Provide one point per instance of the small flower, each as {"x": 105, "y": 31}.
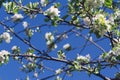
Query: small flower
{"x": 87, "y": 21}
{"x": 3, "y": 54}
{"x": 81, "y": 58}
{"x": 27, "y": 78}
{"x": 35, "y": 74}
{"x": 25, "y": 24}
{"x": 100, "y": 18}
{"x": 55, "y": 46}
{"x": 52, "y": 11}
{"x": 58, "y": 78}
{"x": 58, "y": 71}
{"x": 14, "y": 48}
{"x": 43, "y": 2}
{"x": 95, "y": 3}
{"x": 6, "y": 36}
{"x": 67, "y": 46}
{"x": 17, "y": 17}
{"x": 49, "y": 36}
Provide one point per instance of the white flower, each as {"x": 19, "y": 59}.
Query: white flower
{"x": 25, "y": 24}
{"x": 108, "y": 27}
{"x": 17, "y": 17}
{"x": 14, "y": 48}
{"x": 51, "y": 44}
{"x": 95, "y": 3}
{"x": 52, "y": 11}
{"x": 43, "y": 3}
{"x": 3, "y": 53}
{"x": 49, "y": 36}
{"x": 6, "y": 36}
{"x": 67, "y": 46}
{"x": 35, "y": 74}
{"x": 58, "y": 78}
{"x": 58, "y": 71}
{"x": 55, "y": 46}
{"x": 83, "y": 58}
{"x": 87, "y": 20}
{"x": 27, "y": 78}
{"x": 100, "y": 18}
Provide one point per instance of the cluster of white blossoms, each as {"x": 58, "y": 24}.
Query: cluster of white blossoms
{"x": 6, "y": 36}
{"x": 117, "y": 14}
{"x": 94, "y": 3}
{"x": 50, "y": 40}
{"x": 52, "y": 12}
{"x": 17, "y": 17}
{"x": 43, "y": 2}
{"x": 67, "y": 46}
{"x": 112, "y": 55}
{"x": 3, "y": 56}
{"x": 103, "y": 21}
{"x": 81, "y": 58}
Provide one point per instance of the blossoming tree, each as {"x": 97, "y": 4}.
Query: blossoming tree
{"x": 53, "y": 39}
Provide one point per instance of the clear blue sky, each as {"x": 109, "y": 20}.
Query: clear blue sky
{"x": 11, "y": 70}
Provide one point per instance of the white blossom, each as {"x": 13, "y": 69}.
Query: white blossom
{"x": 67, "y": 46}
{"x": 117, "y": 14}
{"x": 27, "y": 78}
{"x": 3, "y": 53}
{"x": 6, "y": 36}
{"x": 49, "y": 36}
{"x": 52, "y": 11}
{"x": 95, "y": 3}
{"x": 58, "y": 71}
{"x": 55, "y": 46}
{"x": 83, "y": 58}
{"x": 14, "y": 48}
{"x": 58, "y": 78}
{"x": 25, "y": 24}
{"x": 87, "y": 20}
{"x": 17, "y": 17}
{"x": 100, "y": 18}
{"x": 35, "y": 74}
{"x": 43, "y": 3}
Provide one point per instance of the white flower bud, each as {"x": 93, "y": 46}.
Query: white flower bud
{"x": 67, "y": 46}
{"x": 25, "y": 24}
{"x": 58, "y": 71}
{"x": 14, "y": 48}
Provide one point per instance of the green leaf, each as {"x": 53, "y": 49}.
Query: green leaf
{"x": 46, "y": 19}
{"x": 118, "y": 57}
{"x": 108, "y": 3}
{"x": 57, "y": 5}
{"x": 30, "y": 50}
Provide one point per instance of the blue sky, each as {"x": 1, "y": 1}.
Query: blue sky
{"x": 11, "y": 70}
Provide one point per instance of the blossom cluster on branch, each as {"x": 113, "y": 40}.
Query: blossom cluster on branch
{"x": 80, "y": 35}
